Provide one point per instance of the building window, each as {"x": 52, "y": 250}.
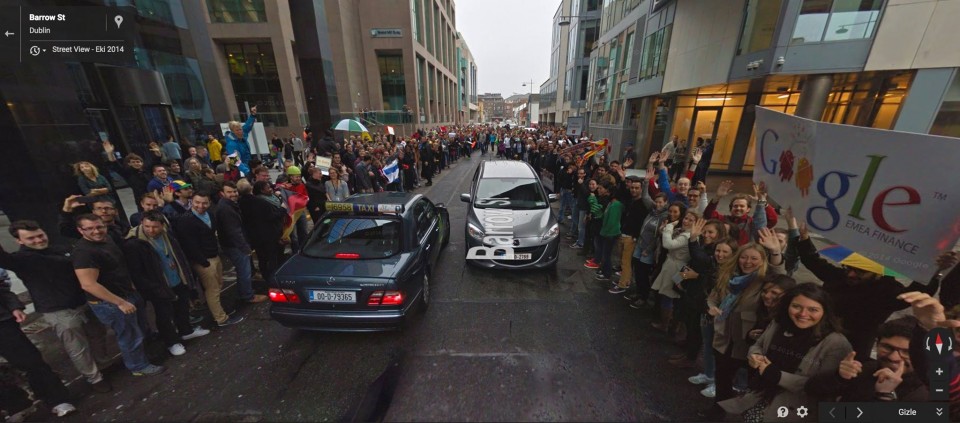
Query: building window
{"x": 654, "y": 57}
{"x": 947, "y": 122}
{"x": 393, "y": 86}
{"x": 255, "y": 80}
{"x": 759, "y": 25}
{"x": 836, "y": 20}
{"x": 415, "y": 5}
{"x": 236, "y": 11}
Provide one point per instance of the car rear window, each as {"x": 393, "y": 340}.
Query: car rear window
{"x": 510, "y": 193}
{"x": 367, "y": 237}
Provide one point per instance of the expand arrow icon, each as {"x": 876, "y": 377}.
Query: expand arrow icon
{"x": 939, "y": 411}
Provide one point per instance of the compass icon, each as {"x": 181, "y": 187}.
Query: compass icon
{"x": 939, "y": 341}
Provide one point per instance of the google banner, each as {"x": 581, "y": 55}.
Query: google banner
{"x": 893, "y": 197}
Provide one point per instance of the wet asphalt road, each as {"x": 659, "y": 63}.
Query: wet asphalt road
{"x": 493, "y": 346}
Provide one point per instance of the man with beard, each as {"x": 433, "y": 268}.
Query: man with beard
{"x": 234, "y": 243}
{"x": 48, "y": 275}
{"x": 891, "y": 377}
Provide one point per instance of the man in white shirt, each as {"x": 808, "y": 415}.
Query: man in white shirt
{"x": 298, "y": 148}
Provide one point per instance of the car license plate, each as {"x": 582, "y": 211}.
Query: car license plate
{"x": 339, "y": 297}
{"x": 516, "y": 256}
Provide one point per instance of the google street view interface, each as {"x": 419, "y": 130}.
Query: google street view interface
{"x": 480, "y": 210}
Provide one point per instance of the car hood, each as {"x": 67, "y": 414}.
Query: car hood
{"x": 301, "y": 267}
{"x": 523, "y": 224}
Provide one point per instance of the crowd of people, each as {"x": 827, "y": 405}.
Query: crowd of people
{"x": 724, "y": 289}
{"x": 721, "y": 286}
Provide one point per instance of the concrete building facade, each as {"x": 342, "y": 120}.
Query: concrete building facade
{"x": 493, "y": 107}
{"x": 696, "y": 69}
{"x": 467, "y": 70}
{"x": 392, "y": 53}
{"x": 552, "y": 91}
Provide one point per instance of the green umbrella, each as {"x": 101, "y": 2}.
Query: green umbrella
{"x": 350, "y": 125}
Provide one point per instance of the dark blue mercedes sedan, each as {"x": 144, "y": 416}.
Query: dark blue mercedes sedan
{"x": 366, "y": 265}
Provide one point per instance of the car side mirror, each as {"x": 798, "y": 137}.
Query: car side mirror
{"x": 465, "y": 198}
{"x": 553, "y": 197}
{"x": 440, "y": 206}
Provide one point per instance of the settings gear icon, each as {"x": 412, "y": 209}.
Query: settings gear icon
{"x": 802, "y": 411}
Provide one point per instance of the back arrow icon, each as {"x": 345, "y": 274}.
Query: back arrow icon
{"x": 8, "y": 33}
{"x": 831, "y": 412}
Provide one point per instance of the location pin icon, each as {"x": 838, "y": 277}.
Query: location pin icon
{"x": 119, "y": 20}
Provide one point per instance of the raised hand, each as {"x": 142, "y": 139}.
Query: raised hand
{"x": 664, "y": 156}
{"x": 108, "y": 148}
{"x": 724, "y": 188}
{"x": 253, "y": 110}
{"x": 850, "y": 367}
{"x": 927, "y": 310}
{"x": 166, "y": 194}
{"x": 768, "y": 239}
{"x": 654, "y": 157}
{"x": 71, "y": 203}
{"x": 697, "y": 228}
{"x": 804, "y": 232}
{"x": 702, "y": 187}
{"x": 760, "y": 191}
{"x": 628, "y": 162}
{"x": 697, "y": 155}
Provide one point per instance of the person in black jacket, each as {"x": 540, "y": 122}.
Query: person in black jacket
{"x": 234, "y": 243}
{"x": 317, "y": 194}
{"x": 17, "y": 349}
{"x": 633, "y": 214}
{"x": 427, "y": 158}
{"x": 196, "y": 232}
{"x": 263, "y": 215}
{"x": 864, "y": 299}
{"x": 47, "y": 272}
{"x": 163, "y": 279}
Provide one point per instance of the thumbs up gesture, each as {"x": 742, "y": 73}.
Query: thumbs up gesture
{"x": 850, "y": 367}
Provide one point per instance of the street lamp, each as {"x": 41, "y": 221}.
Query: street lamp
{"x": 529, "y": 97}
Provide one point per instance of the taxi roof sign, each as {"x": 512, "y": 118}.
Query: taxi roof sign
{"x": 364, "y": 208}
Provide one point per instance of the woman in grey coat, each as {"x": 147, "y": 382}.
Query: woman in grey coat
{"x": 803, "y": 340}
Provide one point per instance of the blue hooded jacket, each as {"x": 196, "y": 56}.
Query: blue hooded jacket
{"x": 242, "y": 147}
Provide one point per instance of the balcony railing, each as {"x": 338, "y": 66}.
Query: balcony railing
{"x": 381, "y": 117}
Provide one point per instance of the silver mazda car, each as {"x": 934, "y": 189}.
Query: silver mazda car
{"x": 510, "y": 224}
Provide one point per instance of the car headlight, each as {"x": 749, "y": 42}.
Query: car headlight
{"x": 552, "y": 233}
{"x": 475, "y": 232}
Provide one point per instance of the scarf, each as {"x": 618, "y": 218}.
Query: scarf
{"x": 272, "y": 199}
{"x": 737, "y": 284}
{"x": 205, "y": 218}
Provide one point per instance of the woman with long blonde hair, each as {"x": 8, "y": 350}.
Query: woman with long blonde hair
{"x": 733, "y": 305}
{"x": 91, "y": 182}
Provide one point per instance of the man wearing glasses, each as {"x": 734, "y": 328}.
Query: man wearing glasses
{"x": 891, "y": 377}
{"x": 105, "y": 210}
{"x": 101, "y": 268}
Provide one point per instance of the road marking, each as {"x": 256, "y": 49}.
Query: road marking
{"x": 442, "y": 353}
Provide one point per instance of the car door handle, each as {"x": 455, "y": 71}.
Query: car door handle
{"x": 428, "y": 246}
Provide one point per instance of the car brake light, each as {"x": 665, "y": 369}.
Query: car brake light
{"x": 392, "y": 298}
{"x": 283, "y": 296}
{"x": 387, "y": 298}
{"x": 351, "y": 256}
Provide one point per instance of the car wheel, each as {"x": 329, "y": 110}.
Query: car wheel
{"x": 446, "y": 234}
{"x": 425, "y": 291}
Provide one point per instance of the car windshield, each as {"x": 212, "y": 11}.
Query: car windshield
{"x": 510, "y": 193}
{"x": 365, "y": 237}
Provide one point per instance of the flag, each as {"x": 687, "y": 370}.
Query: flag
{"x": 392, "y": 171}
{"x": 390, "y": 130}
{"x": 296, "y": 207}
{"x": 596, "y": 147}
{"x": 366, "y": 136}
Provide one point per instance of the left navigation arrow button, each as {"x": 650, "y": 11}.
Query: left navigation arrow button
{"x": 8, "y": 33}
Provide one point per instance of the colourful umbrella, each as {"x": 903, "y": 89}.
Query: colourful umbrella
{"x": 350, "y": 125}
{"x": 847, "y": 257}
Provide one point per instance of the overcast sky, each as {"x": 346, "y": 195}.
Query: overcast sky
{"x": 509, "y": 40}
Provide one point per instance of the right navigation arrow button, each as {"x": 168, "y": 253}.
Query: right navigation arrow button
{"x": 861, "y": 412}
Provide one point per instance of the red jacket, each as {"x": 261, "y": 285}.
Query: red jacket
{"x": 742, "y": 229}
